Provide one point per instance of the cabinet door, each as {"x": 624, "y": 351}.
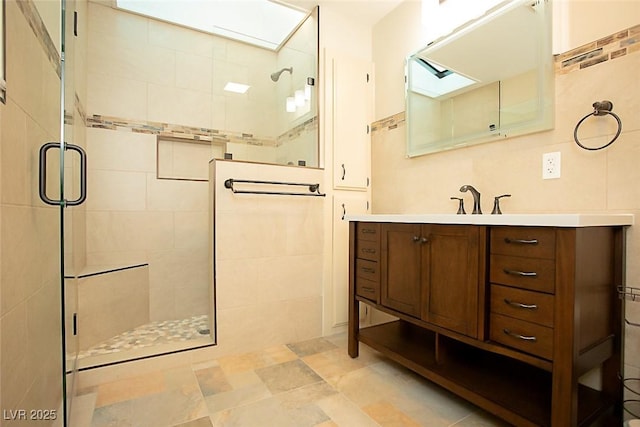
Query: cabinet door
{"x": 351, "y": 116}
{"x": 344, "y": 203}
{"x": 400, "y": 271}
{"x": 450, "y": 262}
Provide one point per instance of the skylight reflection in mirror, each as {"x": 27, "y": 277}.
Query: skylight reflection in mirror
{"x": 262, "y": 23}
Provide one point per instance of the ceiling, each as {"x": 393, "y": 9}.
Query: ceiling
{"x": 367, "y": 12}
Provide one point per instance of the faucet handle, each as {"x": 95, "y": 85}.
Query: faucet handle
{"x": 460, "y": 205}
{"x": 496, "y": 204}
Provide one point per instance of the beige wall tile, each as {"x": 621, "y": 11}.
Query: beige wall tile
{"x": 194, "y": 71}
{"x": 14, "y": 158}
{"x": 174, "y": 105}
{"x": 121, "y": 151}
{"x": 190, "y": 230}
{"x": 114, "y": 96}
{"x": 176, "y": 38}
{"x": 13, "y": 365}
{"x": 172, "y": 195}
{"x": 129, "y": 231}
{"x": 117, "y": 56}
{"x": 108, "y": 21}
{"x": 116, "y": 191}
{"x": 112, "y": 303}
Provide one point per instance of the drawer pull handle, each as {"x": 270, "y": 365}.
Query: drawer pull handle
{"x": 521, "y": 273}
{"x": 368, "y": 251}
{"x": 368, "y": 270}
{"x": 520, "y": 305}
{"x": 368, "y": 231}
{"x": 522, "y": 241}
{"x": 521, "y": 337}
{"x": 368, "y": 289}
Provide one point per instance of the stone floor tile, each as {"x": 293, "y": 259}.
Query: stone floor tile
{"x": 287, "y": 376}
{"x": 130, "y": 388}
{"x": 316, "y": 345}
{"x": 332, "y": 363}
{"x": 387, "y": 415}
{"x": 212, "y": 381}
{"x": 200, "y": 422}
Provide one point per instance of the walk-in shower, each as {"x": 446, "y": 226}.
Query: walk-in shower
{"x": 276, "y": 76}
{"x": 142, "y": 280}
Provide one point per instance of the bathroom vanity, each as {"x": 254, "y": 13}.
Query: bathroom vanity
{"x": 506, "y": 311}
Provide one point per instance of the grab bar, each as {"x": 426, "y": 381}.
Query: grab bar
{"x": 314, "y": 189}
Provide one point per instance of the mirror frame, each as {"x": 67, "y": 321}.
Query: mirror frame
{"x": 543, "y": 112}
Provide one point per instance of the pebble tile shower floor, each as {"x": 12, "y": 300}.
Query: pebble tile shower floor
{"x": 311, "y": 383}
{"x": 151, "y": 334}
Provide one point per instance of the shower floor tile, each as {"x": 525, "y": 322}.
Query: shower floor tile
{"x": 154, "y": 333}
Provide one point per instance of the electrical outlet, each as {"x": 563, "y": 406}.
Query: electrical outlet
{"x": 551, "y": 165}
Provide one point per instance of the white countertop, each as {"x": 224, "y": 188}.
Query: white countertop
{"x": 548, "y": 220}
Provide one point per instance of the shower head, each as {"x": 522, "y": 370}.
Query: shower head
{"x": 275, "y": 76}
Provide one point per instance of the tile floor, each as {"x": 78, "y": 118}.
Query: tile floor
{"x": 311, "y": 383}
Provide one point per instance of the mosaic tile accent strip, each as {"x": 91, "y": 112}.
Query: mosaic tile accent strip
{"x": 308, "y": 126}
{"x": 151, "y": 334}
{"x": 389, "y": 123}
{"x": 170, "y": 130}
{"x": 30, "y": 12}
{"x": 608, "y": 48}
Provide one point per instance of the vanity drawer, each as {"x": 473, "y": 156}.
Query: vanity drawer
{"x": 367, "y": 289}
{"x": 533, "y": 307}
{"x": 521, "y": 335}
{"x": 367, "y": 270}
{"x": 534, "y": 242}
{"x": 528, "y": 273}
{"x": 367, "y": 249}
{"x": 368, "y": 231}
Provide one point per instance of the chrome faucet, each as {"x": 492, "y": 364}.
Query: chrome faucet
{"x": 476, "y": 198}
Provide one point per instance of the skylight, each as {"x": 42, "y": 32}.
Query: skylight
{"x": 433, "y": 80}
{"x": 262, "y": 23}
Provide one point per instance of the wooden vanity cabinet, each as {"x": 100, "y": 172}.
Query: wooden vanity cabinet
{"x": 507, "y": 317}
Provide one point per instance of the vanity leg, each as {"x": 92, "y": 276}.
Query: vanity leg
{"x": 354, "y": 305}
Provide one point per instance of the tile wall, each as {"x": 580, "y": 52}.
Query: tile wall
{"x": 269, "y": 258}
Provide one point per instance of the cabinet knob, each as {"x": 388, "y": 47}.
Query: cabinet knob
{"x": 416, "y": 238}
{"x": 424, "y": 240}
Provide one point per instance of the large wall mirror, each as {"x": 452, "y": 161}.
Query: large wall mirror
{"x": 490, "y": 79}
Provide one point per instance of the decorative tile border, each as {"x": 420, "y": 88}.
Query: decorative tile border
{"x": 389, "y": 123}
{"x": 608, "y": 48}
{"x": 30, "y": 12}
{"x": 193, "y": 133}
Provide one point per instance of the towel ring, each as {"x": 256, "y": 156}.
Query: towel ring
{"x": 599, "y": 109}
